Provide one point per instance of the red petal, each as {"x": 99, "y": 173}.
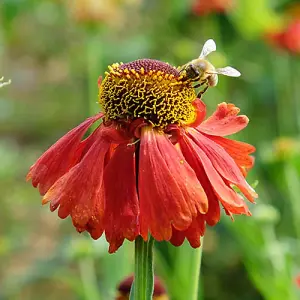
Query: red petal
{"x": 78, "y": 191}
{"x": 99, "y": 81}
{"x": 239, "y": 151}
{"x": 223, "y": 163}
{"x": 95, "y": 224}
{"x": 177, "y": 238}
{"x": 297, "y": 280}
{"x": 193, "y": 233}
{"x": 212, "y": 216}
{"x": 200, "y": 110}
{"x": 60, "y": 157}
{"x": 122, "y": 205}
{"x": 224, "y": 121}
{"x": 115, "y": 134}
{"x": 229, "y": 198}
{"x": 170, "y": 193}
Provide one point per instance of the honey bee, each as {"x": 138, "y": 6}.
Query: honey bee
{"x": 203, "y": 71}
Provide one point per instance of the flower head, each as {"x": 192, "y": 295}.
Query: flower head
{"x": 159, "y": 292}
{"x": 147, "y": 89}
{"x": 287, "y": 38}
{"x": 95, "y": 11}
{"x": 153, "y": 166}
{"x": 297, "y": 281}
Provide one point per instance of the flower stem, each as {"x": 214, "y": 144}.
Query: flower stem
{"x": 143, "y": 277}
{"x": 195, "y": 271}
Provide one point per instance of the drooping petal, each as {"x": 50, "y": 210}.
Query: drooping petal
{"x": 212, "y": 216}
{"x": 95, "y": 224}
{"x": 177, "y": 237}
{"x": 228, "y": 197}
{"x": 239, "y": 151}
{"x": 116, "y": 134}
{"x": 223, "y": 163}
{"x": 193, "y": 233}
{"x": 77, "y": 192}
{"x": 83, "y": 148}
{"x": 122, "y": 205}
{"x": 169, "y": 191}
{"x": 224, "y": 121}
{"x": 60, "y": 157}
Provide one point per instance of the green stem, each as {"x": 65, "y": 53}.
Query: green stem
{"x": 143, "y": 276}
{"x": 195, "y": 271}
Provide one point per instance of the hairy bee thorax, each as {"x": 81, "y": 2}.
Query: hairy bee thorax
{"x": 198, "y": 70}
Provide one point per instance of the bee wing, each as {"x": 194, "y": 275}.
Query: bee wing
{"x": 3, "y": 83}
{"x": 228, "y": 71}
{"x": 208, "y": 47}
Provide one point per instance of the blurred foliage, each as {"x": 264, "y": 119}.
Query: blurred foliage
{"x": 54, "y": 52}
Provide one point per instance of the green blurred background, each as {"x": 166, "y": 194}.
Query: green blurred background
{"x": 54, "y": 51}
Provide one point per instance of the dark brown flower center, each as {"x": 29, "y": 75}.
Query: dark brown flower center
{"x": 148, "y": 89}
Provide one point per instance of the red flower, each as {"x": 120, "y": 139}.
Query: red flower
{"x": 205, "y": 7}
{"x": 159, "y": 292}
{"x": 288, "y": 38}
{"x": 297, "y": 281}
{"x": 152, "y": 166}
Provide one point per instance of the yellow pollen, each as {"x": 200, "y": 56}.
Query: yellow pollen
{"x": 148, "y": 89}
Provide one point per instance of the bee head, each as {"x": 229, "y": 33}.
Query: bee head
{"x": 191, "y": 71}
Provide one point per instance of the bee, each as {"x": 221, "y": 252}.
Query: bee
{"x": 203, "y": 71}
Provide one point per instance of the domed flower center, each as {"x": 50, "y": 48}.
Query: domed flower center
{"x": 148, "y": 89}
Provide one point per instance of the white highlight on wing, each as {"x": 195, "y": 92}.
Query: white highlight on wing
{"x": 4, "y": 83}
{"x": 208, "y": 47}
{"x": 228, "y": 71}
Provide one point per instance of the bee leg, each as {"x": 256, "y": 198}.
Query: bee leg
{"x": 199, "y": 84}
{"x": 202, "y": 92}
